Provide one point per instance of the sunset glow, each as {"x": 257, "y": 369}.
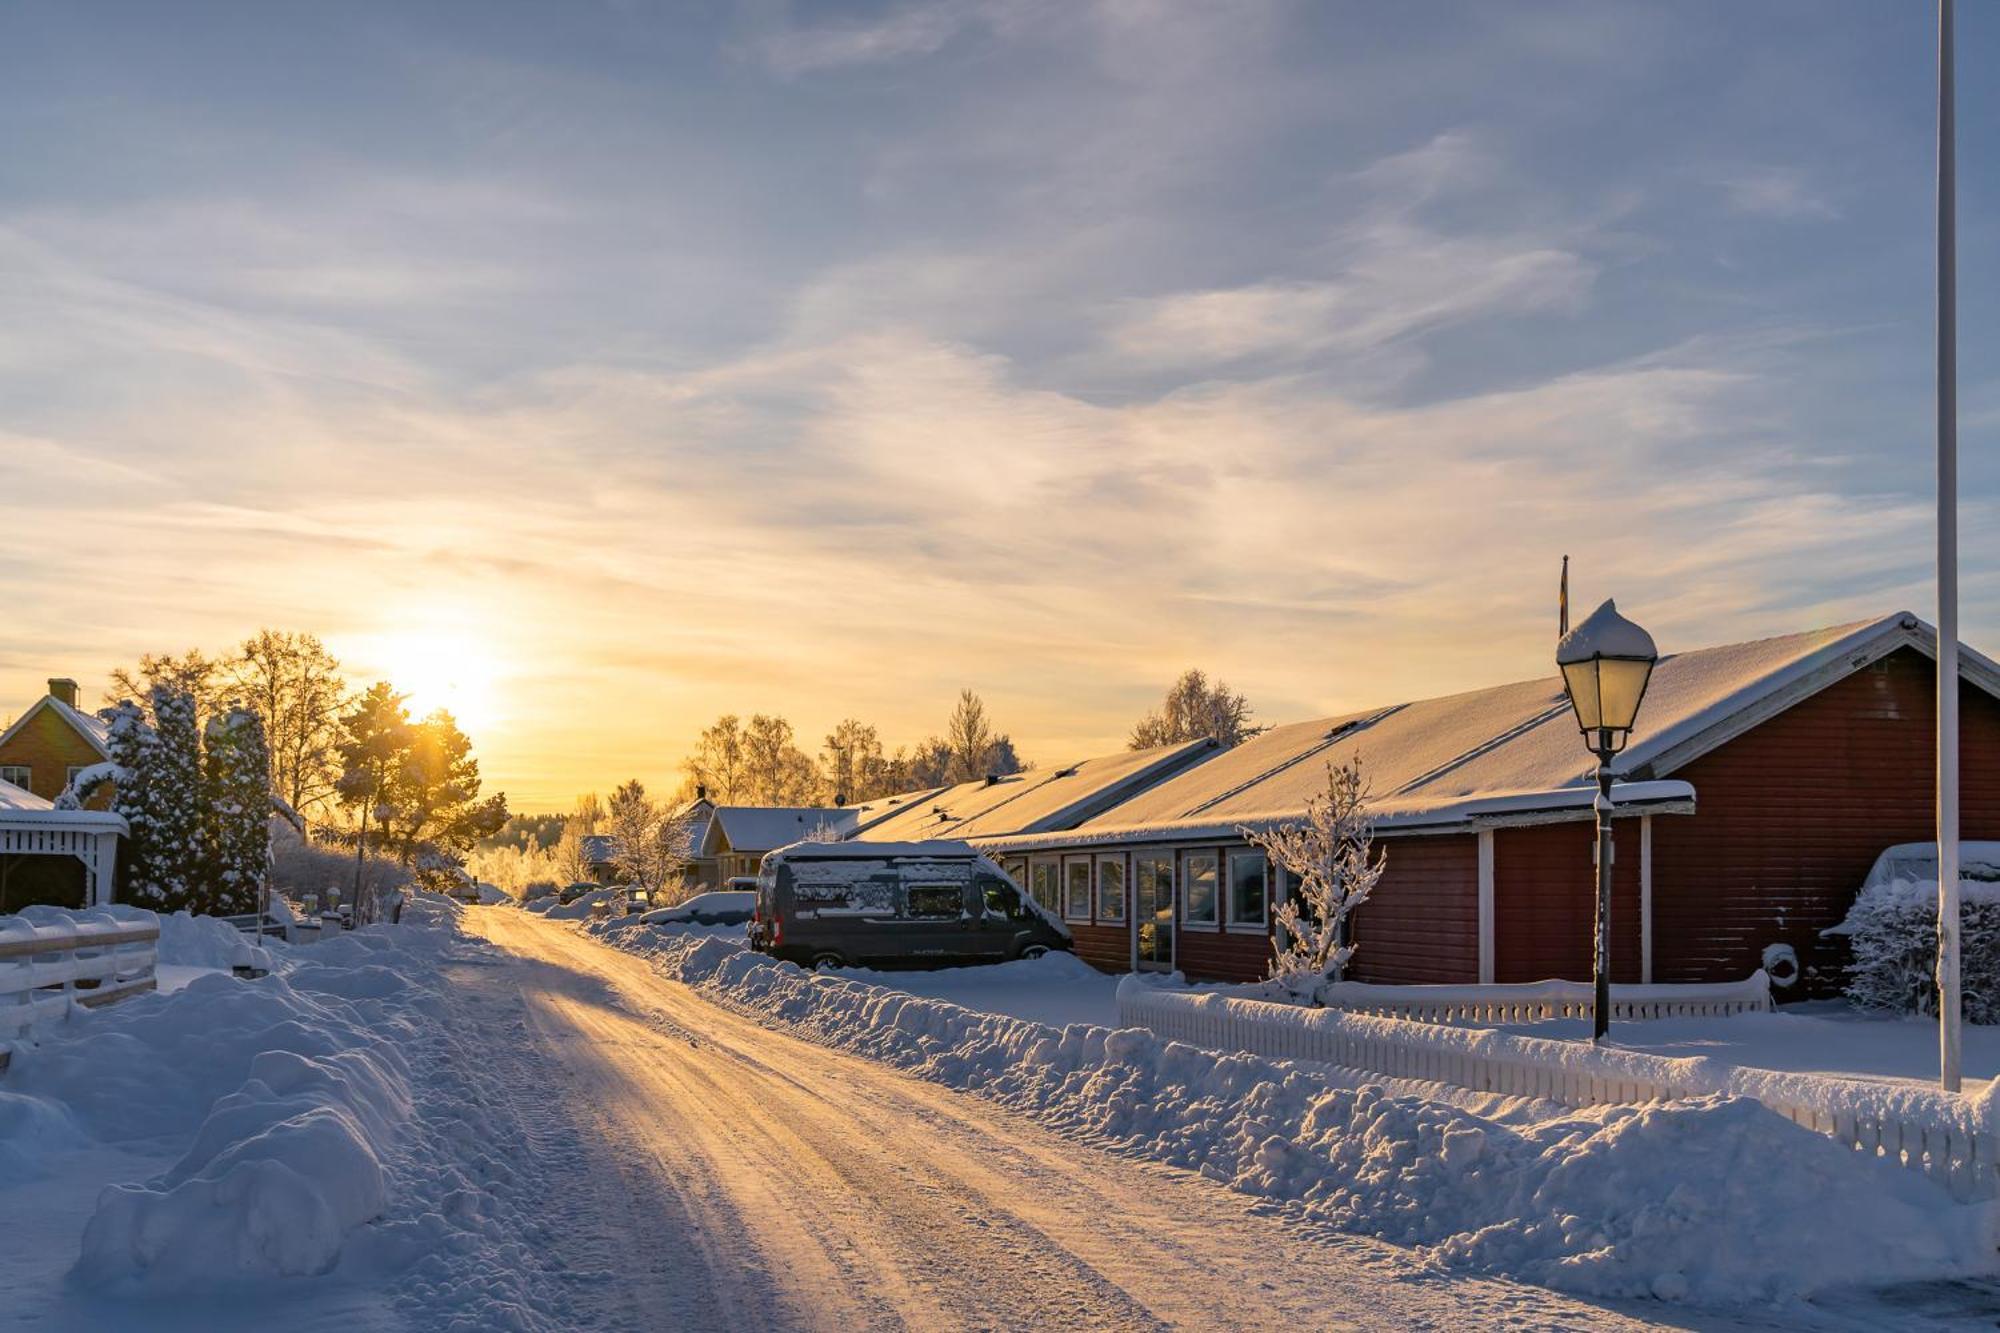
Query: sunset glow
{"x": 1312, "y": 391}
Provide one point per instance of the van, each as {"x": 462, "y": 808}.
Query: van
{"x": 838, "y": 904}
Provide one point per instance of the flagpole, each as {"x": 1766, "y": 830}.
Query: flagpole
{"x": 1947, "y": 565}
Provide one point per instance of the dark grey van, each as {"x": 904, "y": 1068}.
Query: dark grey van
{"x": 832, "y": 904}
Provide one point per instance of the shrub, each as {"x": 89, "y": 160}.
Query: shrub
{"x": 1893, "y": 929}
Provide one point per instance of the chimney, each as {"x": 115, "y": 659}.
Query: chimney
{"x": 63, "y": 690}
{"x": 992, "y": 779}
{"x": 700, "y": 791}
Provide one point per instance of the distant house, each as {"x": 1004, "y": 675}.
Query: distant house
{"x": 50, "y": 743}
{"x": 737, "y": 836}
{"x": 602, "y": 848}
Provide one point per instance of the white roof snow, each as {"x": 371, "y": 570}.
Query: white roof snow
{"x": 92, "y": 729}
{"x": 759, "y": 828}
{"x": 1037, "y": 800}
{"x": 1449, "y": 760}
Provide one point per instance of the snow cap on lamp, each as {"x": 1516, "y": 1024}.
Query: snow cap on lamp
{"x": 1606, "y": 662}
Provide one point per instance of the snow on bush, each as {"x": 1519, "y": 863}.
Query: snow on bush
{"x": 187, "y": 940}
{"x": 1893, "y": 930}
{"x": 1714, "y": 1199}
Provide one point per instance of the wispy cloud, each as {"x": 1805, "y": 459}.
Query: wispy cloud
{"x": 1783, "y": 193}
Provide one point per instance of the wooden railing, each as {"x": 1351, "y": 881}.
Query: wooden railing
{"x": 52, "y": 959}
{"x": 1539, "y": 1001}
{"x": 1941, "y": 1134}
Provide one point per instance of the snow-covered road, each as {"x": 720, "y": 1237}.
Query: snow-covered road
{"x": 739, "y": 1178}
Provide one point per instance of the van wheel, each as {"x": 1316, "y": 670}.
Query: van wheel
{"x": 826, "y": 959}
{"x": 1034, "y": 951}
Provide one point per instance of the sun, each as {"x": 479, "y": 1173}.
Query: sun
{"x": 436, "y": 670}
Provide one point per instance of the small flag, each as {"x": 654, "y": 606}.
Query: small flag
{"x": 1562, "y": 602}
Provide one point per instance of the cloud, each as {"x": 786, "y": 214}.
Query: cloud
{"x": 916, "y": 30}
{"x": 1784, "y": 194}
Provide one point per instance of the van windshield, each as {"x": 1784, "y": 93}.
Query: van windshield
{"x": 1002, "y": 899}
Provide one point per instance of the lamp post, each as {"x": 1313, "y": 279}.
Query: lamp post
{"x": 1606, "y": 662}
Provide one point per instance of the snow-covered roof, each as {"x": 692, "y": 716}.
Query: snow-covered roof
{"x": 92, "y": 729}
{"x": 599, "y": 846}
{"x": 1038, "y": 800}
{"x": 1437, "y": 761}
{"x": 759, "y": 828}
{"x": 941, "y": 848}
{"x": 21, "y": 808}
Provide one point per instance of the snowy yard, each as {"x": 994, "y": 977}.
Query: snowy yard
{"x": 1817, "y": 1037}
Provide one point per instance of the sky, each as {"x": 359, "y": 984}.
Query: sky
{"x": 600, "y": 369}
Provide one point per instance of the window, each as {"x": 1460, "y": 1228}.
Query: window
{"x": 1110, "y": 888}
{"x": 1076, "y": 890}
{"x": 18, "y": 774}
{"x": 936, "y": 902}
{"x": 1002, "y": 898}
{"x": 1200, "y": 878}
{"x": 1042, "y": 883}
{"x": 69, "y": 776}
{"x": 1016, "y": 868}
{"x": 1153, "y": 910}
{"x": 1246, "y": 889}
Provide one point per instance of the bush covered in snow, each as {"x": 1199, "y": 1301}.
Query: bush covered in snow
{"x": 299, "y": 867}
{"x": 1893, "y": 930}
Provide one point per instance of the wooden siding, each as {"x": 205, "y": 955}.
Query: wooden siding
{"x": 1792, "y": 813}
{"x": 1545, "y": 900}
{"x": 1107, "y": 948}
{"x": 1422, "y": 922}
{"x": 49, "y": 747}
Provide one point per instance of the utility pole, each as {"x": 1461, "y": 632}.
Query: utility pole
{"x": 1947, "y": 565}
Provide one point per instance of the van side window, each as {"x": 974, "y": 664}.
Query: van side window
{"x": 936, "y": 902}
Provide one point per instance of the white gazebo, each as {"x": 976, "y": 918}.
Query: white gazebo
{"x": 32, "y": 826}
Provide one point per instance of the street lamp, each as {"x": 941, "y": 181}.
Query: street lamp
{"x": 1606, "y": 662}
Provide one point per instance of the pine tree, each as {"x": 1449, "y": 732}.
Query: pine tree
{"x": 131, "y": 745}
{"x": 160, "y": 795}
{"x": 236, "y": 808}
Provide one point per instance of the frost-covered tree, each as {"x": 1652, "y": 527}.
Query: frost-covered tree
{"x": 775, "y": 770}
{"x": 375, "y": 741}
{"x": 1893, "y": 930}
{"x": 1196, "y": 710}
{"x": 236, "y": 813}
{"x": 570, "y": 858}
{"x": 649, "y": 840}
{"x": 1332, "y": 860}
{"x": 852, "y": 766}
{"x": 716, "y": 765}
{"x": 160, "y": 796}
{"x": 192, "y": 673}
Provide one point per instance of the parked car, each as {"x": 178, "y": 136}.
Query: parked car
{"x": 571, "y": 892}
{"x": 832, "y": 904}
{"x": 723, "y": 907}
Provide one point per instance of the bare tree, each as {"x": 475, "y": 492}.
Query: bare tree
{"x": 571, "y": 855}
{"x": 716, "y": 765}
{"x": 1196, "y": 710}
{"x": 852, "y": 766}
{"x": 775, "y": 770}
{"x": 976, "y": 749}
{"x": 1331, "y": 857}
{"x": 199, "y": 676}
{"x": 294, "y": 685}
{"x": 649, "y": 841}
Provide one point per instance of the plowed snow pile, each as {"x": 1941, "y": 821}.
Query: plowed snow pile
{"x": 1717, "y": 1200}
{"x": 323, "y": 1120}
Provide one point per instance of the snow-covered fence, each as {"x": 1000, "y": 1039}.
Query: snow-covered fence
{"x": 51, "y": 959}
{"x": 1949, "y": 1137}
{"x": 1538, "y": 1001}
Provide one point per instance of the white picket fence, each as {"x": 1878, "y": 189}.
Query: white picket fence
{"x": 1539, "y": 1001}
{"x": 52, "y": 959}
{"x": 1922, "y": 1128}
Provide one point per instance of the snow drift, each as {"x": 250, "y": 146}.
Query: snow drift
{"x": 1716, "y": 1199}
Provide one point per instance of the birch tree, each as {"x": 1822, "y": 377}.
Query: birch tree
{"x": 1331, "y": 858}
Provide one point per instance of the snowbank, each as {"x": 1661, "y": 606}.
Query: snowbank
{"x": 327, "y": 1119}
{"x": 200, "y": 941}
{"x": 1715, "y": 1199}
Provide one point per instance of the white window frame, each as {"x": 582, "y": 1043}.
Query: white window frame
{"x": 1054, "y": 863}
{"x": 1124, "y": 891}
{"x": 1070, "y": 863}
{"x": 26, "y": 774}
{"x": 1263, "y": 921}
{"x": 1212, "y": 922}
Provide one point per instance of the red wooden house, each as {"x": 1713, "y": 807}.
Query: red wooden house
{"x": 1760, "y": 785}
